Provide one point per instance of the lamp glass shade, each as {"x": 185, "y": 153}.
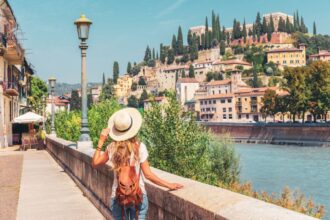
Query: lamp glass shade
{"x": 83, "y": 25}
{"x": 52, "y": 82}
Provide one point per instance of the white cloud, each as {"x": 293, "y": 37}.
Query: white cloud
{"x": 171, "y": 8}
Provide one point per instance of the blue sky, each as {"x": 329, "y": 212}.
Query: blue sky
{"x": 122, "y": 29}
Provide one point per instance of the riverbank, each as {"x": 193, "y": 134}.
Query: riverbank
{"x": 270, "y": 168}
{"x": 280, "y": 134}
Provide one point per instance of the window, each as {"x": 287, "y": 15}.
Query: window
{"x": 230, "y": 116}
{"x": 247, "y": 116}
{"x": 214, "y": 101}
{"x": 201, "y": 102}
{"x": 284, "y": 61}
{"x": 223, "y": 100}
{"x": 213, "y": 92}
{"x": 230, "y": 109}
{"x": 297, "y": 61}
{"x": 229, "y": 100}
{"x": 239, "y": 99}
{"x": 210, "y": 102}
{"x": 239, "y": 116}
{"x": 245, "y": 99}
{"x": 224, "y": 116}
{"x": 291, "y": 62}
{"x": 219, "y": 91}
{"x": 224, "y": 109}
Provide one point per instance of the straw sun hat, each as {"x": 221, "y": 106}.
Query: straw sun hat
{"x": 124, "y": 124}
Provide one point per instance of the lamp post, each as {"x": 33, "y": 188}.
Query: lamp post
{"x": 83, "y": 25}
{"x": 44, "y": 103}
{"x": 52, "y": 82}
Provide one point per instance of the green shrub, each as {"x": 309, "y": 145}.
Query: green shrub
{"x": 68, "y": 124}
{"x": 177, "y": 144}
{"x": 98, "y": 117}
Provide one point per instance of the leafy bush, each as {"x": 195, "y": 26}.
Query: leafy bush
{"x": 68, "y": 124}
{"x": 98, "y": 117}
{"x": 177, "y": 144}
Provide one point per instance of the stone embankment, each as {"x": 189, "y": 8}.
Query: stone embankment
{"x": 195, "y": 201}
{"x": 290, "y": 134}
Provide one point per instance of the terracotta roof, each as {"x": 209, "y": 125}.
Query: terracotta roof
{"x": 229, "y": 62}
{"x": 187, "y": 80}
{"x": 285, "y": 50}
{"x": 217, "y": 96}
{"x": 203, "y": 62}
{"x": 157, "y": 99}
{"x": 320, "y": 54}
{"x": 254, "y": 91}
{"x": 175, "y": 68}
{"x": 219, "y": 82}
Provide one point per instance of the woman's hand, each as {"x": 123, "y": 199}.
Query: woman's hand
{"x": 175, "y": 186}
{"x": 104, "y": 134}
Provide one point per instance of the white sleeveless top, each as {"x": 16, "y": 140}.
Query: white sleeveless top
{"x": 143, "y": 155}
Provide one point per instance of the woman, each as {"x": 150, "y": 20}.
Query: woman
{"x": 128, "y": 156}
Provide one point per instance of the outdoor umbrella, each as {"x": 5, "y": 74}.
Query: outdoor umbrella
{"x": 27, "y": 118}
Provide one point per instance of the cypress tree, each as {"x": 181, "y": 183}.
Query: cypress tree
{"x": 244, "y": 33}
{"x": 209, "y": 40}
{"x": 115, "y": 71}
{"x": 223, "y": 35}
{"x": 153, "y": 54}
{"x": 258, "y": 26}
{"x": 174, "y": 44}
{"x": 180, "y": 41}
{"x": 189, "y": 38}
{"x": 222, "y": 48}
{"x": 264, "y": 29}
{"x": 157, "y": 56}
{"x": 206, "y": 25}
{"x": 147, "y": 55}
{"x": 103, "y": 80}
{"x": 288, "y": 25}
{"x": 162, "y": 54}
{"x": 203, "y": 42}
{"x": 191, "y": 71}
{"x": 281, "y": 25}
{"x": 171, "y": 56}
{"x": 218, "y": 28}
{"x": 271, "y": 24}
{"x": 129, "y": 67}
{"x": 214, "y": 29}
{"x": 314, "y": 28}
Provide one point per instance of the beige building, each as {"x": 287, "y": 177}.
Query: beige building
{"x": 230, "y": 65}
{"x": 291, "y": 57}
{"x": 15, "y": 74}
{"x": 123, "y": 86}
{"x": 96, "y": 92}
{"x": 276, "y": 18}
{"x": 201, "y": 69}
{"x": 161, "y": 100}
{"x": 323, "y": 55}
{"x": 167, "y": 77}
{"x": 199, "y": 30}
{"x": 185, "y": 89}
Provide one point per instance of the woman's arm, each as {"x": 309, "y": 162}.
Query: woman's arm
{"x": 155, "y": 179}
{"x": 98, "y": 158}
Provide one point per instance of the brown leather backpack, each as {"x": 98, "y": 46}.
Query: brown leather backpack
{"x": 130, "y": 194}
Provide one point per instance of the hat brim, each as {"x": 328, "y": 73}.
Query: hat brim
{"x": 130, "y": 133}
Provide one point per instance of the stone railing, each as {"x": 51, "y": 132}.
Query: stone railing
{"x": 195, "y": 201}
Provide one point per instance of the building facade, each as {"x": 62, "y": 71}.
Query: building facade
{"x": 323, "y": 55}
{"x": 123, "y": 86}
{"x": 14, "y": 74}
{"x": 185, "y": 89}
{"x": 291, "y": 57}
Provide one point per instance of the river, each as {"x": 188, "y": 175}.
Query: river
{"x": 272, "y": 167}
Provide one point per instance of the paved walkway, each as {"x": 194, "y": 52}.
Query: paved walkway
{"x": 47, "y": 192}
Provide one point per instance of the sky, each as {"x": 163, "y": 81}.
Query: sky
{"x": 122, "y": 29}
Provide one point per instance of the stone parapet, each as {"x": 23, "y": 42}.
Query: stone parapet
{"x": 195, "y": 201}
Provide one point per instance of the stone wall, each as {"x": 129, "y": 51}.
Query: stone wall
{"x": 298, "y": 134}
{"x": 195, "y": 201}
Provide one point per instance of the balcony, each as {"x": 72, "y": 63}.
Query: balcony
{"x": 14, "y": 52}
{"x": 10, "y": 88}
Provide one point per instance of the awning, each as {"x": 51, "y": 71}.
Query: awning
{"x": 28, "y": 117}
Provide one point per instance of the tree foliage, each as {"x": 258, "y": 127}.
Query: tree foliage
{"x": 115, "y": 72}
{"x": 38, "y": 90}
{"x": 75, "y": 101}
{"x": 176, "y": 140}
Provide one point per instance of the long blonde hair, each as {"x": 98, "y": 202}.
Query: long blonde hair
{"x": 121, "y": 152}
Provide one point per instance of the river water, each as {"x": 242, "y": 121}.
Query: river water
{"x": 272, "y": 167}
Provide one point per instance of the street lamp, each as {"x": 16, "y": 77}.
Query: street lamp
{"x": 44, "y": 103}
{"x": 83, "y": 25}
{"x": 52, "y": 82}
